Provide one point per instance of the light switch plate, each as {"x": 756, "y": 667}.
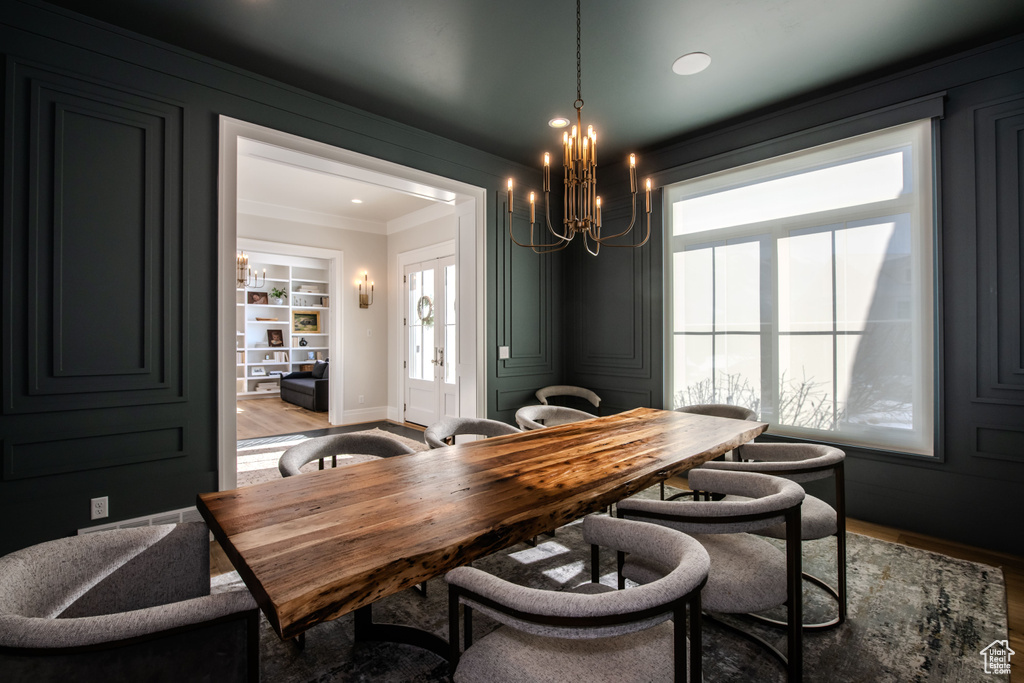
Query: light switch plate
{"x": 503, "y": 353}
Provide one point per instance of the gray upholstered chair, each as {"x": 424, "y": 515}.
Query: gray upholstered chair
{"x": 350, "y": 448}
{"x": 123, "y": 605}
{"x": 443, "y": 432}
{"x": 748, "y": 574}
{"x": 593, "y": 632}
{"x": 719, "y": 410}
{"x": 804, "y": 462}
{"x": 577, "y": 395}
{"x": 538, "y": 417}
{"x": 714, "y": 410}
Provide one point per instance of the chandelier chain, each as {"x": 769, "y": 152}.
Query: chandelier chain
{"x": 579, "y": 70}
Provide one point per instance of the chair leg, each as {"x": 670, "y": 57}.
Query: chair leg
{"x": 794, "y": 601}
{"x": 453, "y": 631}
{"x": 696, "y": 637}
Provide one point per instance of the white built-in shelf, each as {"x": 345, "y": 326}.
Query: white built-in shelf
{"x": 290, "y": 279}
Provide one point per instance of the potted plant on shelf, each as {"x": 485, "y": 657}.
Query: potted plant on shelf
{"x": 277, "y": 296}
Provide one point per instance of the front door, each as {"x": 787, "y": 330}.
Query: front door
{"x": 430, "y": 349}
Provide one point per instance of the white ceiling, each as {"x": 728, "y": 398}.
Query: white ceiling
{"x": 282, "y": 184}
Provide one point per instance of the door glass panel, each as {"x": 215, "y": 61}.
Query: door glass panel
{"x": 449, "y": 325}
{"x": 421, "y": 324}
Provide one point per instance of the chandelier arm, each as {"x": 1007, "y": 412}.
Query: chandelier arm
{"x": 547, "y": 219}
{"x": 586, "y": 244}
{"x": 632, "y": 222}
{"x": 551, "y": 250}
{"x": 647, "y": 236}
{"x": 531, "y": 244}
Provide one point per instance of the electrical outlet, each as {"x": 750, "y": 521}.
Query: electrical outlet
{"x": 98, "y": 507}
{"x": 360, "y": 398}
{"x": 503, "y": 353}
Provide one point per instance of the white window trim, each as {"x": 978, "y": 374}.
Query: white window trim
{"x": 924, "y": 246}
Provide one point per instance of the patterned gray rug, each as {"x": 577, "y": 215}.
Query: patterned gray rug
{"x": 914, "y": 616}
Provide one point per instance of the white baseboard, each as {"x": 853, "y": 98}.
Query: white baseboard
{"x": 361, "y": 415}
{"x": 395, "y": 415}
{"x": 171, "y": 517}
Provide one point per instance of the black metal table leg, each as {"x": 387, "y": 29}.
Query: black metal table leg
{"x": 367, "y": 629}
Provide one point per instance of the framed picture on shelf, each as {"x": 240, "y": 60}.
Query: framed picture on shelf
{"x": 306, "y": 321}
{"x": 259, "y": 372}
{"x": 275, "y": 337}
{"x": 258, "y": 298}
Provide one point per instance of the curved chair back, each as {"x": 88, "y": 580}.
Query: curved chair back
{"x": 765, "y": 502}
{"x": 545, "y": 393}
{"x": 538, "y": 417}
{"x": 719, "y": 410}
{"x": 112, "y": 605}
{"x": 443, "y": 432}
{"x": 588, "y": 612}
{"x": 356, "y": 447}
{"x": 799, "y": 462}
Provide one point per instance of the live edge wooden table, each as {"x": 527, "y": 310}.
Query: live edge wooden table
{"x": 314, "y": 547}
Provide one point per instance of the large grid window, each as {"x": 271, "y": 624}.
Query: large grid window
{"x": 802, "y": 287}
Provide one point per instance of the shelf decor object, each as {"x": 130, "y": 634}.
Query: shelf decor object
{"x": 365, "y": 295}
{"x": 275, "y": 337}
{"x": 306, "y": 321}
{"x": 243, "y": 273}
{"x": 258, "y": 298}
{"x": 582, "y": 205}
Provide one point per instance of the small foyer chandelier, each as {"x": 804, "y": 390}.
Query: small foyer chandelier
{"x": 582, "y": 205}
{"x": 244, "y": 276}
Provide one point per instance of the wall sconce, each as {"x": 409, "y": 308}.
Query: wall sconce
{"x": 365, "y": 295}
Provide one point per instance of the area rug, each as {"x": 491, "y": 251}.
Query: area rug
{"x": 258, "y": 463}
{"x": 914, "y": 616}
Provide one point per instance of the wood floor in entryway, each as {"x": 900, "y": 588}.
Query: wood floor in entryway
{"x": 271, "y": 416}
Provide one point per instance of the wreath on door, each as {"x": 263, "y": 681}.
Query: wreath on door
{"x": 425, "y": 310}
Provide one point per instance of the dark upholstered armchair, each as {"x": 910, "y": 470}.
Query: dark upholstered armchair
{"x": 309, "y": 389}
{"x": 124, "y": 605}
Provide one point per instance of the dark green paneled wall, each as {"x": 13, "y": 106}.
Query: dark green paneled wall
{"x": 110, "y": 263}
{"x": 974, "y": 493}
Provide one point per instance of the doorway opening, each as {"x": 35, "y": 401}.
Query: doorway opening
{"x": 367, "y": 362}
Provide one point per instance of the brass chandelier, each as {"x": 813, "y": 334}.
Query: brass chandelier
{"x": 582, "y": 204}
{"x": 244, "y": 275}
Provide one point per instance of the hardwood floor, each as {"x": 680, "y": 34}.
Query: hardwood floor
{"x": 258, "y": 417}
{"x": 272, "y": 416}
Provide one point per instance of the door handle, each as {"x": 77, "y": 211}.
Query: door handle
{"x": 441, "y": 362}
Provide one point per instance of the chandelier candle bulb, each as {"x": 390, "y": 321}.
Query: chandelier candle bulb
{"x": 598, "y": 212}
{"x": 547, "y": 172}
{"x": 510, "y": 195}
{"x": 648, "y": 195}
{"x": 531, "y": 209}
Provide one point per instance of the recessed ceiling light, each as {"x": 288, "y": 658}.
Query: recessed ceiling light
{"x": 357, "y": 201}
{"x": 558, "y": 122}
{"x": 692, "y": 63}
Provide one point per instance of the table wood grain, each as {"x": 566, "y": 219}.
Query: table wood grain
{"x": 314, "y": 547}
